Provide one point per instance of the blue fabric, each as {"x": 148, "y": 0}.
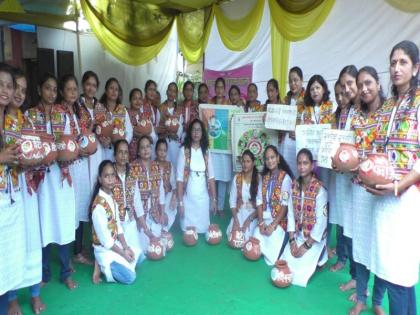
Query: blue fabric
{"x": 348, "y": 245}
{"x": 402, "y": 300}
{"x": 122, "y": 274}
{"x": 64, "y": 257}
{"x": 4, "y": 303}
{"x": 340, "y": 247}
{"x": 222, "y": 188}
{"x": 35, "y": 291}
{"x": 362, "y": 279}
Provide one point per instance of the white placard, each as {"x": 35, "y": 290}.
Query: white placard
{"x": 330, "y": 141}
{"x": 309, "y": 136}
{"x": 281, "y": 117}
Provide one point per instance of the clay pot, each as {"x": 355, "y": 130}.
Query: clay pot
{"x": 87, "y": 143}
{"x": 104, "y": 129}
{"x": 167, "y": 240}
{"x": 213, "y": 234}
{"x": 346, "y": 158}
{"x": 144, "y": 127}
{"x": 236, "y": 239}
{"x": 190, "y": 236}
{"x": 376, "y": 170}
{"x": 68, "y": 149}
{"x": 117, "y": 134}
{"x": 156, "y": 249}
{"x": 50, "y": 149}
{"x": 281, "y": 276}
{"x": 31, "y": 150}
{"x": 252, "y": 249}
{"x": 172, "y": 124}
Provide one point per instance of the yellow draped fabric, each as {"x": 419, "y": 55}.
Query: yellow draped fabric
{"x": 124, "y": 51}
{"x": 237, "y": 34}
{"x": 279, "y": 57}
{"x": 293, "y": 21}
{"x": 410, "y": 6}
{"x": 295, "y": 27}
{"x": 193, "y": 32}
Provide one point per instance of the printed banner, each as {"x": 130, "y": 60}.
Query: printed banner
{"x": 217, "y": 119}
{"x": 309, "y": 137}
{"x": 281, "y": 117}
{"x": 330, "y": 141}
{"x": 248, "y": 132}
{"x": 241, "y": 77}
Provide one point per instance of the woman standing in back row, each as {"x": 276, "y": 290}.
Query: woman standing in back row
{"x": 394, "y": 247}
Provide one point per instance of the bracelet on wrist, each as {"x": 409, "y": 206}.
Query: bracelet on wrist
{"x": 306, "y": 245}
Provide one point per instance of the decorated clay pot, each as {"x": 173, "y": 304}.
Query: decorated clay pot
{"x": 346, "y": 158}
{"x": 252, "y": 249}
{"x": 104, "y": 129}
{"x": 117, "y": 134}
{"x": 31, "y": 150}
{"x": 172, "y": 124}
{"x": 156, "y": 249}
{"x": 68, "y": 149}
{"x": 167, "y": 240}
{"x": 281, "y": 276}
{"x": 87, "y": 143}
{"x": 190, "y": 236}
{"x": 236, "y": 239}
{"x": 50, "y": 149}
{"x": 213, "y": 234}
{"x": 376, "y": 170}
{"x": 144, "y": 127}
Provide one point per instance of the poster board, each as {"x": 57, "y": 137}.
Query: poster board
{"x": 330, "y": 141}
{"x": 309, "y": 136}
{"x": 281, "y": 117}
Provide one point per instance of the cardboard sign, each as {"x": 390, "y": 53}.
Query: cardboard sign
{"x": 309, "y": 137}
{"x": 281, "y": 117}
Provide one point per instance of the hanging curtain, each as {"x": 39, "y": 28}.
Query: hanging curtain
{"x": 193, "y": 32}
{"x": 120, "y": 36}
{"x": 237, "y": 34}
{"x": 293, "y": 21}
{"x": 410, "y": 6}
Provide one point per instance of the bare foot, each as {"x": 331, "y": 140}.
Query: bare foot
{"x": 353, "y": 297}
{"x": 331, "y": 253}
{"x": 14, "y": 308}
{"x": 357, "y": 309}
{"x": 37, "y": 305}
{"x": 378, "y": 310}
{"x": 81, "y": 259}
{"x": 70, "y": 284}
{"x": 348, "y": 286}
{"x": 337, "y": 266}
{"x": 96, "y": 276}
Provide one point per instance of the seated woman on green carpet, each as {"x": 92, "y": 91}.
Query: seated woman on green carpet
{"x": 306, "y": 222}
{"x": 113, "y": 256}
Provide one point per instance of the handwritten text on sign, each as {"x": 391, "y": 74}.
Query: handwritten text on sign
{"x": 330, "y": 141}
{"x": 309, "y": 136}
{"x": 281, "y": 117}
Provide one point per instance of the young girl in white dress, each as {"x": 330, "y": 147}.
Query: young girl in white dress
{"x": 245, "y": 197}
{"x": 195, "y": 179}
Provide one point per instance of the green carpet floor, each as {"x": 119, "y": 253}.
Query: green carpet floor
{"x": 203, "y": 279}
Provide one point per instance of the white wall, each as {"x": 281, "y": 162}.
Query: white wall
{"x": 162, "y": 68}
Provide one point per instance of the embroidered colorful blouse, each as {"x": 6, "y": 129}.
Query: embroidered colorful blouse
{"x": 364, "y": 126}
{"x": 304, "y": 207}
{"x": 274, "y": 197}
{"x": 112, "y": 223}
{"x": 149, "y": 182}
{"x": 402, "y": 145}
{"x": 306, "y": 114}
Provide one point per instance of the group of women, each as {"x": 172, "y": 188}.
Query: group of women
{"x": 157, "y": 165}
